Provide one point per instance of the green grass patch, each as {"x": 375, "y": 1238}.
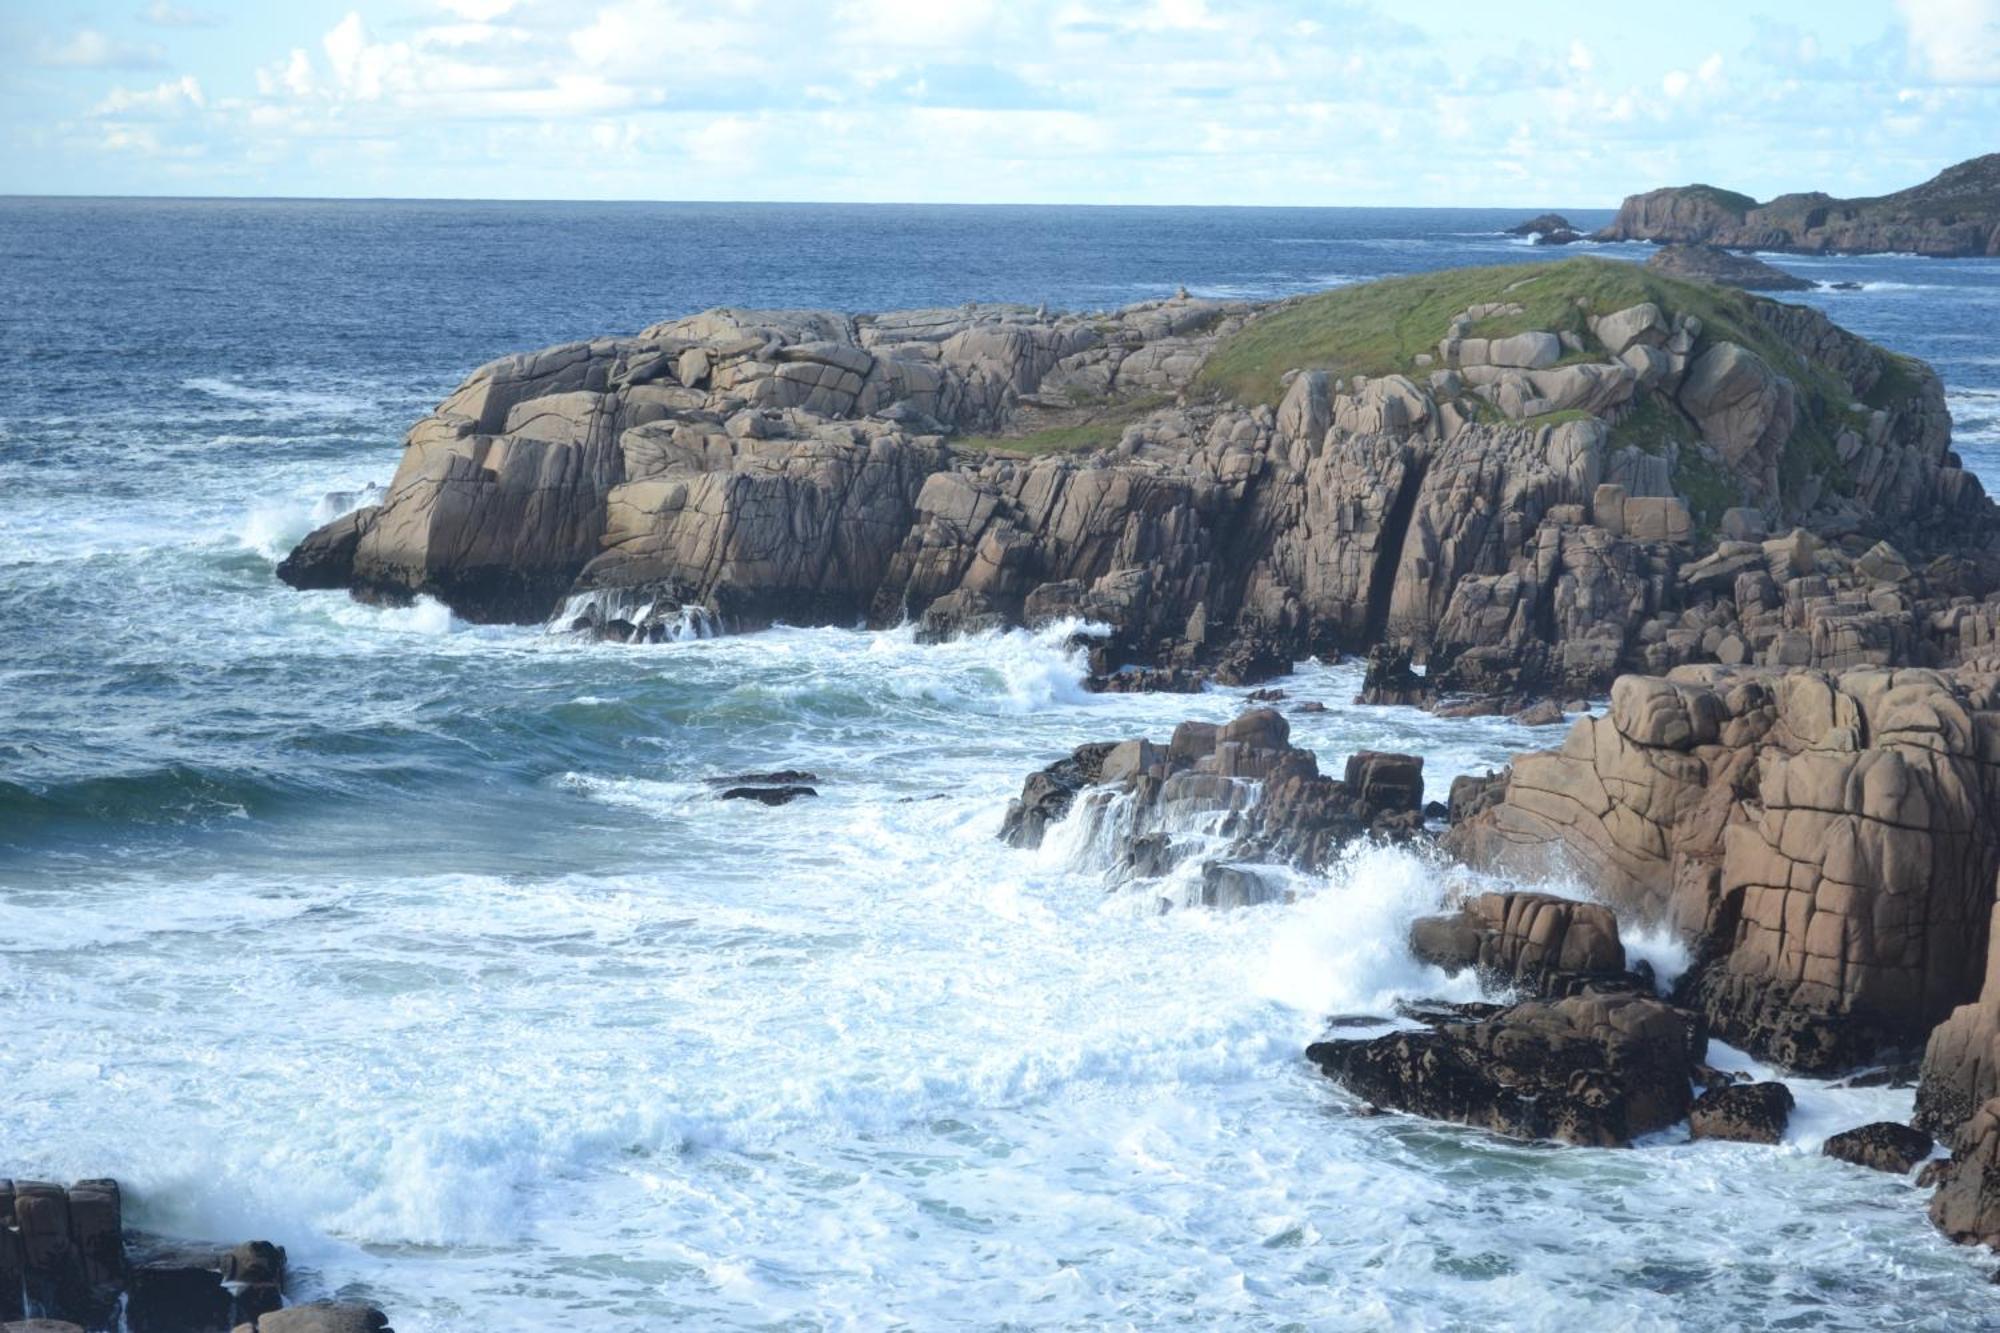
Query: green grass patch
{"x": 1728, "y": 200}
{"x": 1901, "y": 379}
{"x": 1380, "y": 328}
{"x": 1708, "y": 489}
{"x": 1651, "y": 424}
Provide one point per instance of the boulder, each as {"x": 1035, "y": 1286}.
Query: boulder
{"x": 1742, "y": 1113}
{"x": 1882, "y": 1146}
{"x": 1541, "y": 943}
{"x": 323, "y": 1317}
{"x": 1590, "y": 1069}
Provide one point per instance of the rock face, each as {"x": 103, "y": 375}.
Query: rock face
{"x": 1706, "y": 263}
{"x": 1956, "y": 214}
{"x": 1591, "y": 1069}
{"x": 1826, "y": 842}
{"x": 1237, "y": 796}
{"x": 1513, "y": 508}
{"x": 1966, "y": 1206}
{"x": 67, "y": 1261}
{"x": 1742, "y": 1113}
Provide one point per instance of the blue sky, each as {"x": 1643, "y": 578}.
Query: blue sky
{"x": 1500, "y": 102}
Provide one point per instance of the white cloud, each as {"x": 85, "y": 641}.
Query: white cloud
{"x": 478, "y": 11}
{"x": 89, "y": 48}
{"x": 175, "y": 95}
{"x": 162, "y": 14}
{"x": 1955, "y": 41}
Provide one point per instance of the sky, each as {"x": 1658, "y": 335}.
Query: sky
{"x": 1491, "y": 103}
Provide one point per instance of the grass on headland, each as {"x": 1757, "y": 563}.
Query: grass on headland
{"x": 1380, "y": 328}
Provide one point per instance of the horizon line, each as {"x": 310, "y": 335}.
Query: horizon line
{"x": 21, "y": 196}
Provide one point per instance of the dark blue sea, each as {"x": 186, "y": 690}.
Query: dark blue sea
{"x": 423, "y": 949}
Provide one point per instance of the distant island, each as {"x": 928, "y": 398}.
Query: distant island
{"x": 1954, "y": 215}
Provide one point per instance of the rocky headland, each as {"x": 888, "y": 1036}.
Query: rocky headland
{"x": 1531, "y": 478}
{"x": 1954, "y": 215}
{"x": 1509, "y": 487}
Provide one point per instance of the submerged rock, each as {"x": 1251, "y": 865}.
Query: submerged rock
{"x": 1590, "y": 1069}
{"x": 783, "y": 795}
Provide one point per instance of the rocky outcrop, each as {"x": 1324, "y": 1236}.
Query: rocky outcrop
{"x": 1826, "y": 842}
{"x": 1707, "y": 263}
{"x": 67, "y": 1260}
{"x": 1592, "y": 1069}
{"x": 1514, "y": 507}
{"x": 1956, "y": 214}
{"x": 1234, "y": 796}
{"x": 1547, "y": 229}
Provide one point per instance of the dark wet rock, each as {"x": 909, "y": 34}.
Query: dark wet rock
{"x": 1266, "y": 696}
{"x": 325, "y": 559}
{"x": 1225, "y": 886}
{"x": 1390, "y": 679}
{"x": 1047, "y": 795}
{"x": 1882, "y": 1146}
{"x": 1473, "y": 793}
{"x": 1147, "y": 680}
{"x": 783, "y": 777}
{"x": 1440, "y": 1013}
{"x": 1710, "y": 1078}
{"x": 1543, "y": 224}
{"x": 66, "y": 1258}
{"x": 773, "y": 796}
{"x": 1535, "y": 941}
{"x": 1742, "y": 1113}
{"x": 1309, "y": 706}
{"x": 1249, "y": 661}
{"x": 1546, "y": 713}
{"x": 1590, "y": 1069}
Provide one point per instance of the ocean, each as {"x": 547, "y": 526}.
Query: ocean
{"x": 424, "y": 949}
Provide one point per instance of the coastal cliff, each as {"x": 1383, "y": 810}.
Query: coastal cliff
{"x": 1954, "y": 215}
{"x": 1532, "y": 478}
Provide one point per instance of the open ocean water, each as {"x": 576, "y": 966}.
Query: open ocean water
{"x": 422, "y": 948}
